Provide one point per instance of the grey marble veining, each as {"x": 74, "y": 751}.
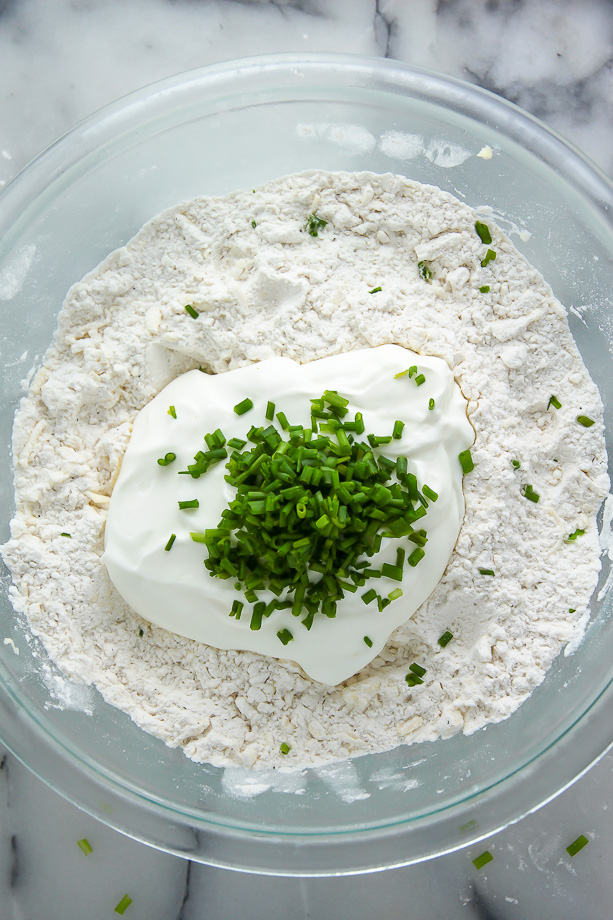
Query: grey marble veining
{"x": 61, "y": 60}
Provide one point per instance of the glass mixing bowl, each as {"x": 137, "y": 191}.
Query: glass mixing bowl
{"x": 210, "y": 132}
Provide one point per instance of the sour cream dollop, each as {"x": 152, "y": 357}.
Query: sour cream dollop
{"x": 173, "y": 589}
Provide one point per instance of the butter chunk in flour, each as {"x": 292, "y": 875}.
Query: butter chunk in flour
{"x": 263, "y": 285}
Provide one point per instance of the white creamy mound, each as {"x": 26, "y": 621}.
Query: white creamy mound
{"x": 273, "y": 289}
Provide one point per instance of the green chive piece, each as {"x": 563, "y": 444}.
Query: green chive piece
{"x": 578, "y": 844}
{"x": 85, "y": 846}
{"x": 270, "y": 411}
{"x": 168, "y": 458}
{"x": 237, "y": 609}
{"x": 424, "y": 271}
{"x": 483, "y": 232}
{"x": 490, "y": 255}
{"x": 141, "y": 633}
{"x": 314, "y": 224}
{"x": 236, "y": 443}
{"x": 486, "y": 572}
{"x": 244, "y": 406}
{"x": 395, "y": 594}
{"x": 416, "y": 556}
{"x": 431, "y": 404}
{"x": 368, "y": 641}
{"x": 194, "y": 315}
{"x": 572, "y": 610}
{"x": 430, "y": 493}
{"x": 284, "y": 747}
{"x": 171, "y": 540}
{"x": 66, "y": 535}
{"x": 516, "y": 464}
{"x": 199, "y": 537}
{"x": 573, "y": 536}
{"x": 285, "y": 636}
{"x": 397, "y": 432}
{"x": 466, "y": 461}
{"x": 445, "y": 639}
{"x": 401, "y": 374}
{"x": 529, "y": 493}
{"x": 192, "y": 503}
{"x": 413, "y": 680}
{"x": 123, "y": 904}
{"x": 482, "y": 860}
{"x": 375, "y": 290}
{"x": 484, "y": 289}
{"x": 253, "y": 224}
{"x": 585, "y": 421}
{"x": 555, "y": 402}
{"x": 369, "y": 596}
{"x": 417, "y": 669}
{"x": 420, "y": 379}
{"x": 172, "y": 411}
{"x": 412, "y": 370}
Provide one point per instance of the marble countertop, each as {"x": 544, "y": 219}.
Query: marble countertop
{"x": 61, "y": 60}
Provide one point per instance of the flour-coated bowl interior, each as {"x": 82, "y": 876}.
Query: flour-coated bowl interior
{"x": 234, "y": 126}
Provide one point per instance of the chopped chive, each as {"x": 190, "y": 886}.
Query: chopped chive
{"x": 168, "y": 458}
{"x": 236, "y": 443}
{"x": 573, "y": 536}
{"x": 85, "y": 845}
{"x": 483, "y": 232}
{"x": 123, "y": 904}
{"x": 284, "y": 747}
{"x": 555, "y": 402}
{"x": 484, "y": 289}
{"x": 141, "y": 633}
{"x": 395, "y": 594}
{"x": 66, "y": 535}
{"x": 486, "y": 572}
{"x": 368, "y": 641}
{"x": 401, "y": 374}
{"x": 420, "y": 379}
{"x": 192, "y": 503}
{"x": 466, "y": 461}
{"x": 516, "y": 464}
{"x": 571, "y": 610}
{"x": 490, "y": 255}
{"x": 417, "y": 669}
{"x": 529, "y": 493}
{"x": 578, "y": 844}
{"x": 244, "y": 406}
{"x": 431, "y": 404}
{"x": 171, "y": 540}
{"x": 416, "y": 556}
{"x": 199, "y": 537}
{"x": 429, "y": 493}
{"x": 253, "y": 224}
{"x": 397, "y": 432}
{"x": 585, "y": 421}
{"x": 445, "y": 639}
{"x": 193, "y": 313}
{"x": 424, "y": 271}
{"x": 482, "y": 860}
{"x": 314, "y": 224}
{"x": 285, "y": 636}
{"x": 375, "y": 290}
{"x": 256, "y": 615}
{"x": 237, "y": 609}
{"x": 369, "y": 596}
{"x": 413, "y": 679}
{"x": 412, "y": 370}
{"x": 270, "y": 411}
{"x": 172, "y": 411}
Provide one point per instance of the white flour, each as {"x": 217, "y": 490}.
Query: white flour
{"x": 270, "y": 290}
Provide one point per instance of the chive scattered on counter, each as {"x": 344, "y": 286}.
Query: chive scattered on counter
{"x": 243, "y": 406}
{"x": 171, "y": 540}
{"x": 482, "y": 860}
{"x": 416, "y": 556}
{"x": 85, "y": 845}
{"x": 431, "y": 404}
{"x": 420, "y": 379}
{"x": 375, "y": 290}
{"x": 424, "y": 271}
{"x": 253, "y": 224}
{"x": 573, "y": 536}
{"x": 572, "y": 610}
{"x": 529, "y": 493}
{"x": 368, "y": 641}
{"x": 314, "y": 224}
{"x": 430, "y": 493}
{"x": 577, "y": 845}
{"x": 236, "y": 443}
{"x": 395, "y": 594}
{"x": 66, "y": 535}
{"x": 198, "y": 537}
{"x": 284, "y": 636}
{"x": 516, "y": 464}
{"x": 193, "y": 313}
{"x": 192, "y": 503}
{"x": 490, "y": 255}
{"x": 412, "y": 370}
{"x": 484, "y": 289}
{"x": 123, "y": 904}
{"x": 555, "y": 402}
{"x": 483, "y": 232}
{"x": 237, "y": 609}
{"x": 486, "y": 572}
{"x": 397, "y": 432}
{"x": 270, "y": 410}
{"x": 417, "y": 669}
{"x": 401, "y": 374}
{"x": 586, "y": 421}
{"x": 284, "y": 747}
{"x": 172, "y": 411}
{"x": 445, "y": 639}
{"x": 413, "y": 680}
{"x": 369, "y": 596}
{"x": 167, "y": 459}
{"x": 466, "y": 461}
